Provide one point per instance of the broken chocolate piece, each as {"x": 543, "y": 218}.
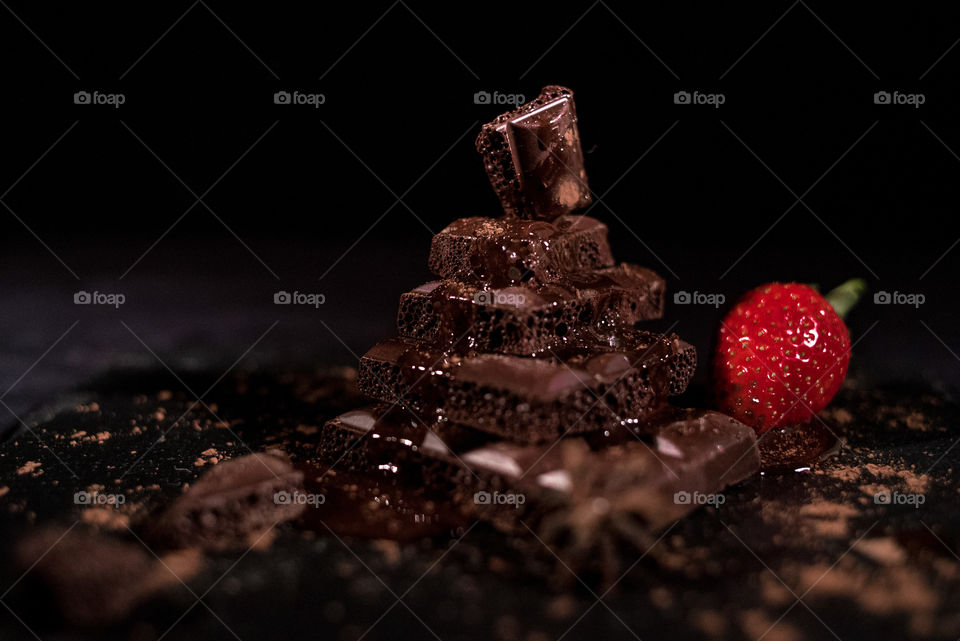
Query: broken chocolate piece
{"x": 232, "y": 503}
{"x": 663, "y": 464}
{"x": 98, "y": 580}
{"x": 531, "y": 399}
{"x": 510, "y": 251}
{"x": 533, "y": 157}
{"x": 527, "y": 320}
{"x": 378, "y": 438}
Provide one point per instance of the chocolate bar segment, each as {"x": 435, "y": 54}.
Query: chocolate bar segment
{"x": 510, "y": 251}
{"x": 694, "y": 454}
{"x": 530, "y": 319}
{"x": 530, "y": 400}
{"x": 392, "y": 439}
{"x": 665, "y": 463}
{"x": 533, "y": 157}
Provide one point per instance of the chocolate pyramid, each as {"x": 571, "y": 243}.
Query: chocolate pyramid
{"x": 533, "y": 335}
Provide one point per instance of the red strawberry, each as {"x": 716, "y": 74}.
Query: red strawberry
{"x": 782, "y": 354}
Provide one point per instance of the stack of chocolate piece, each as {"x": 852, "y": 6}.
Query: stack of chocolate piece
{"x": 525, "y": 370}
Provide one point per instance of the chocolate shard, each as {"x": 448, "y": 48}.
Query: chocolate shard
{"x": 511, "y": 251}
{"x": 660, "y": 468}
{"x": 234, "y": 501}
{"x": 531, "y": 319}
{"x": 533, "y": 157}
{"x": 531, "y": 400}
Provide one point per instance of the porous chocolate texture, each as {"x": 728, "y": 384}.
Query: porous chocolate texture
{"x": 511, "y": 251}
{"x": 663, "y": 465}
{"x": 533, "y": 157}
{"x": 522, "y": 320}
{"x": 530, "y": 400}
{"x": 390, "y": 438}
{"x": 530, "y": 319}
{"x": 231, "y": 502}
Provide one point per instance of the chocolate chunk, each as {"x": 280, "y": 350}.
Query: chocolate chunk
{"x": 234, "y": 501}
{"x": 531, "y": 399}
{"x": 662, "y": 465}
{"x": 98, "y": 580}
{"x": 378, "y": 438}
{"x": 510, "y": 251}
{"x": 531, "y": 319}
{"x": 533, "y": 157}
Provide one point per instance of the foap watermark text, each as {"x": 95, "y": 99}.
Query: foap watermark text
{"x": 699, "y": 98}
{"x": 898, "y": 298}
{"x": 98, "y": 298}
{"x": 99, "y": 98}
{"x": 298, "y": 498}
{"x": 299, "y": 98}
{"x": 497, "y": 98}
{"x": 898, "y": 98}
{"x": 698, "y": 498}
{"x": 698, "y": 298}
{"x": 499, "y": 498}
{"x": 99, "y": 498}
{"x": 899, "y": 498}
{"x": 298, "y": 298}
{"x": 495, "y": 297}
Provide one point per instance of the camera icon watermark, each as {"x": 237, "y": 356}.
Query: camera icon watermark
{"x": 99, "y": 499}
{"x": 899, "y": 298}
{"x": 298, "y": 98}
{"x": 298, "y": 298}
{"x": 897, "y": 98}
{"x": 495, "y": 297}
{"x": 499, "y": 498}
{"x": 298, "y": 498}
{"x": 698, "y": 98}
{"x": 698, "y": 298}
{"x": 98, "y": 298}
{"x": 698, "y": 498}
{"x": 899, "y": 498}
{"x": 97, "y": 98}
{"x": 497, "y": 98}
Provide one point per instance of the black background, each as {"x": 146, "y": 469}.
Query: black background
{"x": 306, "y": 199}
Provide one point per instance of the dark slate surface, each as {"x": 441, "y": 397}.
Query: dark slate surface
{"x": 877, "y": 571}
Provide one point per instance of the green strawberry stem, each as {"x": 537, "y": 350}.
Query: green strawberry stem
{"x": 844, "y": 297}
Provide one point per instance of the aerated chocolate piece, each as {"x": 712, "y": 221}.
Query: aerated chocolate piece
{"x": 234, "y": 501}
{"x": 533, "y": 157}
{"x": 530, "y": 319}
{"x": 667, "y": 464}
{"x": 529, "y": 400}
{"x": 692, "y": 455}
{"x": 510, "y": 251}
{"x": 390, "y": 438}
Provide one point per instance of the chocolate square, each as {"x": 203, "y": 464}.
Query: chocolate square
{"x": 533, "y": 157}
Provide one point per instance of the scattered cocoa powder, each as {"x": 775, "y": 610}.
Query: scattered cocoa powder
{"x": 28, "y": 467}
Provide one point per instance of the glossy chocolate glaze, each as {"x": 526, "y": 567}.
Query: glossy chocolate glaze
{"x": 524, "y": 369}
{"x": 531, "y": 399}
{"x": 509, "y": 251}
{"x": 534, "y": 317}
{"x": 534, "y": 159}
{"x": 673, "y": 451}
